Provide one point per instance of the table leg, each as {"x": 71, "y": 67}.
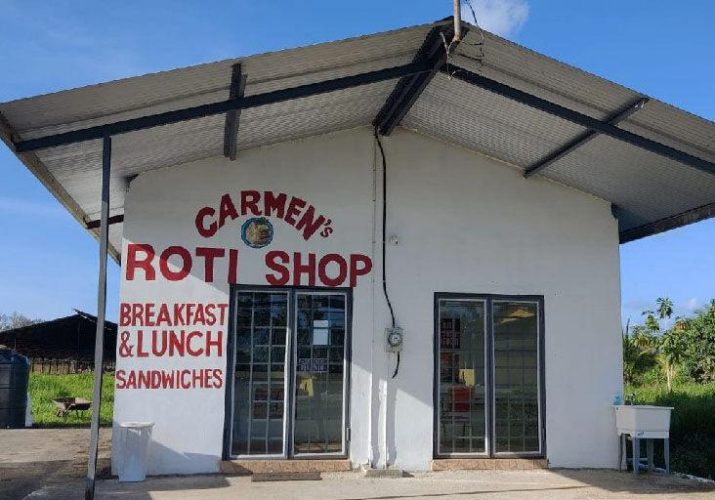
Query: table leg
{"x": 649, "y": 448}
{"x": 636, "y": 454}
{"x": 666, "y": 454}
{"x": 621, "y": 439}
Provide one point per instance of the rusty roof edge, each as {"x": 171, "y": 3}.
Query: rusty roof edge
{"x": 33, "y": 163}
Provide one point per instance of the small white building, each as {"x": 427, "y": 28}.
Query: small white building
{"x": 264, "y": 209}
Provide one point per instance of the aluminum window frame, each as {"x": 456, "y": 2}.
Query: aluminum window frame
{"x": 539, "y": 375}
{"x": 231, "y": 355}
{"x": 490, "y": 438}
{"x": 347, "y": 362}
{"x": 487, "y": 388}
{"x": 288, "y": 441}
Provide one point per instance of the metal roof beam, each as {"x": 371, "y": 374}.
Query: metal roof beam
{"x": 114, "y": 219}
{"x": 580, "y": 119}
{"x": 433, "y": 54}
{"x": 220, "y": 107}
{"x": 662, "y": 225}
{"x": 230, "y": 134}
{"x": 584, "y": 138}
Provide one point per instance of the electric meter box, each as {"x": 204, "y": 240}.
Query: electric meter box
{"x": 394, "y": 338}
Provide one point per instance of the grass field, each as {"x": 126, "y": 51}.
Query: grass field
{"x": 692, "y": 428}
{"x": 44, "y": 388}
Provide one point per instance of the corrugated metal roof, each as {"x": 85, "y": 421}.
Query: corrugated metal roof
{"x": 646, "y": 187}
{"x": 480, "y": 120}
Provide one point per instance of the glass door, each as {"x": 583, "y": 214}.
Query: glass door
{"x": 462, "y": 368}
{"x": 291, "y": 355}
{"x": 516, "y": 377}
{"x": 488, "y": 376}
{"x": 260, "y": 376}
{"x": 320, "y": 374}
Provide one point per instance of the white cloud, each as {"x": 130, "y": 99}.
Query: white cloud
{"x": 502, "y": 17}
{"x": 692, "y": 305}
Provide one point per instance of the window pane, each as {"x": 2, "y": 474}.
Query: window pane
{"x": 320, "y": 372}
{"x": 461, "y": 376}
{"x": 259, "y": 385}
{"x": 516, "y": 390}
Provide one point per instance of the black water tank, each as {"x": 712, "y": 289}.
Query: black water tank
{"x": 14, "y": 377}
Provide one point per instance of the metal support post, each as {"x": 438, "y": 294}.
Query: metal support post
{"x": 649, "y": 452}
{"x": 101, "y": 310}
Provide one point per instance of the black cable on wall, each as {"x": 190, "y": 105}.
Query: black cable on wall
{"x": 384, "y": 238}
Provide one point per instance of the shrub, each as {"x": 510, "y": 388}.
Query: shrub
{"x": 692, "y": 428}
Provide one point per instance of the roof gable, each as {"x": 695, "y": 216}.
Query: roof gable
{"x": 650, "y": 191}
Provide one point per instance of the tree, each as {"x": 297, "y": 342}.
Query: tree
{"x": 651, "y": 323}
{"x": 686, "y": 348}
{"x": 651, "y": 345}
{"x": 673, "y": 346}
{"x": 699, "y": 360}
{"x": 15, "y": 320}
{"x": 639, "y": 352}
{"x": 665, "y": 307}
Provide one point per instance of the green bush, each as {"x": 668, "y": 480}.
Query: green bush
{"x": 45, "y": 387}
{"x": 692, "y": 428}
{"x": 653, "y": 376}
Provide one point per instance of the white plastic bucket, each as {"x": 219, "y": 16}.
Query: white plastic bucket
{"x": 135, "y": 438}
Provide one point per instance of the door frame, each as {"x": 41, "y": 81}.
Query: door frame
{"x": 289, "y": 408}
{"x": 489, "y": 437}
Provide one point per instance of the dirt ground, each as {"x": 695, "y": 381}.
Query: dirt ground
{"x": 31, "y": 459}
{"x": 51, "y": 464}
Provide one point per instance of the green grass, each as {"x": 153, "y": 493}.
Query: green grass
{"x": 44, "y": 388}
{"x": 692, "y": 427}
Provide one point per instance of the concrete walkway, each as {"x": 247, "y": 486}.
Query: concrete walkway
{"x": 51, "y": 464}
{"x": 33, "y": 458}
{"x": 537, "y": 485}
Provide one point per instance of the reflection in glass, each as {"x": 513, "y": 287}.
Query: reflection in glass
{"x": 260, "y": 377}
{"x": 461, "y": 377}
{"x": 516, "y": 390}
{"x": 320, "y": 371}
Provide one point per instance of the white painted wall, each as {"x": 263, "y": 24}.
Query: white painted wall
{"x": 465, "y": 223}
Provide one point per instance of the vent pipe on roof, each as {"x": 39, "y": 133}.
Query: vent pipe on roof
{"x": 457, "y": 21}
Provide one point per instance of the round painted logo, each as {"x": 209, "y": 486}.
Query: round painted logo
{"x": 257, "y": 232}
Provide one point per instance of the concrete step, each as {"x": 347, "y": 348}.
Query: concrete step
{"x": 443, "y": 464}
{"x": 258, "y": 477}
{"x": 383, "y": 473}
{"x": 245, "y": 467}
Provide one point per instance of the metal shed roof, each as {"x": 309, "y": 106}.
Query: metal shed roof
{"x": 663, "y": 178}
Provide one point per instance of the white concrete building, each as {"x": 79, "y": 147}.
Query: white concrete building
{"x": 378, "y": 183}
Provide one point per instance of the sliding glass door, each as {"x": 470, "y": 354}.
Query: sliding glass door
{"x": 489, "y": 386}
{"x": 290, "y": 357}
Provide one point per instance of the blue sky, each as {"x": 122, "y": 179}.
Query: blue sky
{"x": 48, "y": 264}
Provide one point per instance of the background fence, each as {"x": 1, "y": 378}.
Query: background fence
{"x": 65, "y": 366}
